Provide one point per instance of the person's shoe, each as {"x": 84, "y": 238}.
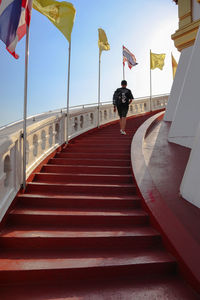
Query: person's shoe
{"x": 123, "y": 132}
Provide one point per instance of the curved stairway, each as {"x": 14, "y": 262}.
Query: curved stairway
{"x": 79, "y": 230}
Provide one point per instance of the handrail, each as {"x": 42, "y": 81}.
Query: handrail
{"x": 81, "y": 106}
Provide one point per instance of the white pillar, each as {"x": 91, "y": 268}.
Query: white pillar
{"x": 177, "y": 84}
{"x": 187, "y": 115}
{"x": 190, "y": 187}
{"x": 195, "y": 10}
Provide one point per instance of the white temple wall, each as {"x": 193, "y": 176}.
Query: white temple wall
{"x": 195, "y": 10}
{"x": 177, "y": 84}
{"x": 187, "y": 115}
{"x": 190, "y": 187}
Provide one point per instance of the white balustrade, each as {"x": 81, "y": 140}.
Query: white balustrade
{"x": 45, "y": 133}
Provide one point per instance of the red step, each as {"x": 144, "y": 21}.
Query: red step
{"x": 56, "y": 266}
{"x": 82, "y": 178}
{"x": 83, "y": 169}
{"x": 92, "y": 155}
{"x": 80, "y": 189}
{"x": 101, "y": 143}
{"x": 58, "y": 217}
{"x": 91, "y": 162}
{"x": 74, "y": 201}
{"x": 114, "y": 134}
{"x": 102, "y": 139}
{"x": 100, "y": 146}
{"x": 120, "y": 150}
{"x": 163, "y": 287}
{"x": 43, "y": 238}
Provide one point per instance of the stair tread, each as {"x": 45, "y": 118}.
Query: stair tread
{"x": 124, "y": 185}
{"x": 85, "y": 175}
{"x": 91, "y": 159}
{"x": 29, "y": 232}
{"x": 87, "y": 155}
{"x": 72, "y": 196}
{"x": 34, "y": 260}
{"x": 76, "y": 212}
{"x": 100, "y": 144}
{"x": 97, "y": 146}
{"x": 96, "y": 152}
{"x": 157, "y": 287}
{"x": 90, "y": 166}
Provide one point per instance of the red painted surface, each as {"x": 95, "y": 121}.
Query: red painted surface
{"x": 158, "y": 168}
{"x": 79, "y": 230}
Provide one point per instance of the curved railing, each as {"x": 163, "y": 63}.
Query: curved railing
{"x": 46, "y": 132}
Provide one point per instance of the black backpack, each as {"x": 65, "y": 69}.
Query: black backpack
{"x": 121, "y": 96}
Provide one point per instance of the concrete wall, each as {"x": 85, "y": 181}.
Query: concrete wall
{"x": 190, "y": 186}
{"x": 178, "y": 84}
{"x": 184, "y": 102}
{"x": 195, "y": 10}
{"x": 187, "y": 115}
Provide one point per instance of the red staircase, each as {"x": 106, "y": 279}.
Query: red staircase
{"x": 79, "y": 231}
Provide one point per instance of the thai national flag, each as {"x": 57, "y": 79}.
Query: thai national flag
{"x": 14, "y": 16}
{"x": 129, "y": 57}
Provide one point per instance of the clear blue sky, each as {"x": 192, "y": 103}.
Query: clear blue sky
{"x": 139, "y": 25}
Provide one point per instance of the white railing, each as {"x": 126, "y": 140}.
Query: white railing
{"x": 46, "y": 132}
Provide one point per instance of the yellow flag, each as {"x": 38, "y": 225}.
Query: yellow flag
{"x": 103, "y": 41}
{"x": 174, "y": 66}
{"x": 157, "y": 60}
{"x": 61, "y": 14}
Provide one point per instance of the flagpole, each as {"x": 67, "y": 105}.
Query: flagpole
{"x": 99, "y": 80}
{"x": 68, "y": 84}
{"x": 150, "y": 104}
{"x": 172, "y": 68}
{"x": 123, "y": 64}
{"x": 25, "y": 105}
